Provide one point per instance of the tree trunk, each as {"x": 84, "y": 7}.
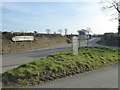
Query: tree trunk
{"x": 119, "y": 18}
{"x": 119, "y": 28}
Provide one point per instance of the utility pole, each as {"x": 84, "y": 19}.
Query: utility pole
{"x": 88, "y": 30}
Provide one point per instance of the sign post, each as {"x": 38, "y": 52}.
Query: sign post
{"x": 23, "y": 38}
{"x": 84, "y": 37}
{"x": 79, "y": 42}
{"x": 75, "y": 45}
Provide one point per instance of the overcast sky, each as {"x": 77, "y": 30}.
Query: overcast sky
{"x": 39, "y": 16}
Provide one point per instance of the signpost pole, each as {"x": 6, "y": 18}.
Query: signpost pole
{"x": 87, "y": 40}
{"x": 79, "y": 42}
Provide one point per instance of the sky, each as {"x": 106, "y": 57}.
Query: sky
{"x": 39, "y": 16}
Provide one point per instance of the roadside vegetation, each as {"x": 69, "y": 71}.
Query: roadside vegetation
{"x": 40, "y": 41}
{"x": 109, "y": 40}
{"x": 60, "y": 65}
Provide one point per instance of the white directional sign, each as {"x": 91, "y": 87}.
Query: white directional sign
{"x": 83, "y": 36}
{"x": 75, "y": 45}
{"x": 23, "y": 38}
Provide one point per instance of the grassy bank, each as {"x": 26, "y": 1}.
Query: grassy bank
{"x": 109, "y": 41}
{"x": 60, "y": 65}
{"x": 12, "y": 47}
{"x": 40, "y": 41}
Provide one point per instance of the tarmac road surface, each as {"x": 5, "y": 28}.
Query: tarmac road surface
{"x": 103, "y": 78}
{"x": 15, "y": 59}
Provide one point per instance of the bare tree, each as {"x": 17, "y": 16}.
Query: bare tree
{"x": 60, "y": 31}
{"x": 88, "y": 30}
{"x": 81, "y": 32}
{"x": 35, "y": 33}
{"x": 48, "y": 31}
{"x": 54, "y": 32}
{"x": 111, "y": 5}
{"x": 66, "y": 32}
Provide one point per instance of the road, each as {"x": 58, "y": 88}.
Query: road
{"x": 15, "y": 59}
{"x": 104, "y": 78}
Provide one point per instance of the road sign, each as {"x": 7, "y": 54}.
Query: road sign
{"x": 83, "y": 36}
{"x": 23, "y": 38}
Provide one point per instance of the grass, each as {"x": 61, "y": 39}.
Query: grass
{"x": 60, "y": 65}
{"x": 109, "y": 41}
{"x": 40, "y": 42}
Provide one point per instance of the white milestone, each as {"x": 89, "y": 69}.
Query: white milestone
{"x": 75, "y": 45}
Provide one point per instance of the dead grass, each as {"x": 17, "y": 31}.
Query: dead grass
{"x": 40, "y": 42}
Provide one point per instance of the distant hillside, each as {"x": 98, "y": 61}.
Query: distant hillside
{"x": 110, "y": 39}
{"x": 41, "y": 40}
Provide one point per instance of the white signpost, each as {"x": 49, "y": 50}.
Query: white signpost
{"x": 83, "y": 36}
{"x": 80, "y": 37}
{"x": 75, "y": 45}
{"x": 23, "y": 38}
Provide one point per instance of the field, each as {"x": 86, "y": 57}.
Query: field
{"x": 60, "y": 65}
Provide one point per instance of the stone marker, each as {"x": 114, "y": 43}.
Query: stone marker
{"x": 75, "y": 45}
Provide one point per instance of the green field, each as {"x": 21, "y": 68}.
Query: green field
{"x": 60, "y": 65}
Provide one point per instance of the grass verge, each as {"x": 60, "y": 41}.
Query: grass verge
{"x": 60, "y": 65}
{"x": 109, "y": 41}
